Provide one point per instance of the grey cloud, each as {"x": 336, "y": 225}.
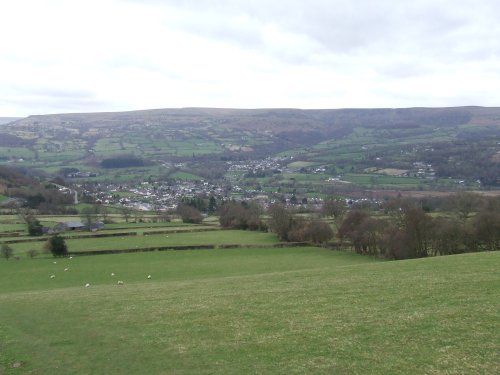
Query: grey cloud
{"x": 52, "y": 93}
{"x": 403, "y": 69}
{"x": 238, "y": 28}
{"x": 54, "y": 100}
{"x": 344, "y": 26}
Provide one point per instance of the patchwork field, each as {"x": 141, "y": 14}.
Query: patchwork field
{"x": 219, "y": 237}
{"x": 458, "y": 147}
{"x": 293, "y": 310}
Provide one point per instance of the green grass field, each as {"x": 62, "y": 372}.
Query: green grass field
{"x": 283, "y": 311}
{"x": 174, "y": 239}
{"x": 5, "y": 227}
{"x": 185, "y": 176}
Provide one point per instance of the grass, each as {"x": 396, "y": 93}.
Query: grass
{"x": 6, "y": 227}
{"x": 300, "y": 164}
{"x": 185, "y": 176}
{"x": 283, "y": 311}
{"x": 16, "y": 152}
{"x": 177, "y": 239}
{"x": 374, "y": 179}
{"x": 158, "y": 225}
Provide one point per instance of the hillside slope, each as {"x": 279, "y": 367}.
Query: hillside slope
{"x": 252, "y": 311}
{"x": 429, "y": 148}
{"x": 276, "y": 119}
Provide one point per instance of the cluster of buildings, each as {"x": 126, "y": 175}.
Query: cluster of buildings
{"x": 153, "y": 196}
{"x": 165, "y": 195}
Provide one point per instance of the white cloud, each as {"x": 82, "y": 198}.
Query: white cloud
{"x": 99, "y": 55}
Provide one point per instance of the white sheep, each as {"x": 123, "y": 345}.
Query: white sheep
{"x": 149, "y": 276}
{"x": 112, "y": 274}
{"x": 65, "y": 269}
{"x": 120, "y": 282}
{"x": 87, "y": 285}
{"x": 52, "y": 276}
{"x": 55, "y": 262}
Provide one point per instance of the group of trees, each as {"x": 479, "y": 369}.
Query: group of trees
{"x": 21, "y": 183}
{"x": 122, "y": 162}
{"x": 469, "y": 160}
{"x": 191, "y": 209}
{"x": 206, "y": 205}
{"x": 241, "y": 215}
{"x": 189, "y": 214}
{"x": 289, "y": 227}
{"x": 407, "y": 231}
{"x": 286, "y": 225}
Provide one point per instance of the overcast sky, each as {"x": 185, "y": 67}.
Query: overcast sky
{"x": 113, "y": 55}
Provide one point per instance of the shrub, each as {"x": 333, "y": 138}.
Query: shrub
{"x": 35, "y": 228}
{"x": 189, "y": 214}
{"x": 280, "y": 221}
{"x": 240, "y": 216}
{"x": 6, "y": 251}
{"x": 57, "y": 246}
{"x": 319, "y": 231}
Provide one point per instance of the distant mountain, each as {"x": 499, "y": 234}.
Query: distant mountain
{"x": 276, "y": 119}
{"x": 456, "y": 142}
{"x": 6, "y": 120}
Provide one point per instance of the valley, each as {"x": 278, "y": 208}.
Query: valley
{"x": 277, "y": 154}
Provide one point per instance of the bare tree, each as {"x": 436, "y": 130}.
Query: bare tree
{"x": 319, "y": 232}
{"x": 280, "y": 221}
{"x": 487, "y": 229}
{"x": 126, "y": 213}
{"x": 189, "y": 214}
{"x": 465, "y": 203}
{"x": 89, "y": 217}
{"x": 336, "y": 208}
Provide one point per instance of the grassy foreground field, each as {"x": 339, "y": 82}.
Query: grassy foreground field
{"x": 297, "y": 310}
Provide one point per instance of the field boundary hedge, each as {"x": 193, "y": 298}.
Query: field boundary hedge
{"x": 10, "y": 234}
{"x": 73, "y": 237}
{"x": 193, "y": 230}
{"x": 189, "y": 247}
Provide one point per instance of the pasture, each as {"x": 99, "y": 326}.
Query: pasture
{"x": 219, "y": 237}
{"x": 283, "y": 311}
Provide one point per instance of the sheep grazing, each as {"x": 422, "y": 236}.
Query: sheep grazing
{"x": 87, "y": 285}
{"x": 52, "y": 276}
{"x": 55, "y": 262}
{"x": 70, "y": 257}
{"x": 112, "y": 274}
{"x": 120, "y": 282}
{"x": 149, "y": 276}
{"x": 65, "y": 269}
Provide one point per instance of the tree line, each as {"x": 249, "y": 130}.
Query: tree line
{"x": 405, "y": 230}
{"x": 397, "y": 229}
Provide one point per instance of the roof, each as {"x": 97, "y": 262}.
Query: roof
{"x": 74, "y": 224}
